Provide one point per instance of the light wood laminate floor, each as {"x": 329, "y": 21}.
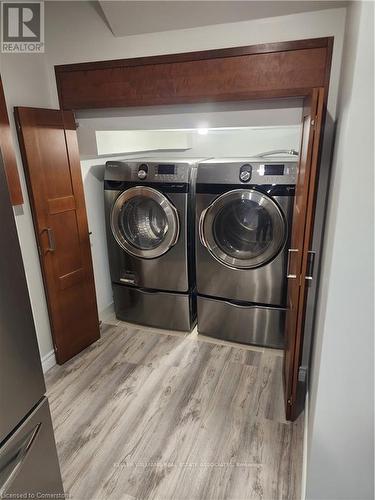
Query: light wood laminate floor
{"x": 147, "y": 414}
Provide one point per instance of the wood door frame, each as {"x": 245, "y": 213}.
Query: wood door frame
{"x": 74, "y": 78}
{"x": 298, "y": 262}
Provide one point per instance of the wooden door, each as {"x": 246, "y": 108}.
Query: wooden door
{"x": 51, "y": 160}
{"x": 301, "y": 238}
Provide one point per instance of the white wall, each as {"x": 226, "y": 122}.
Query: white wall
{"x": 281, "y": 114}
{"x": 341, "y": 450}
{"x": 25, "y": 83}
{"x": 93, "y": 176}
{"x": 241, "y": 142}
{"x": 111, "y": 142}
{"x": 76, "y": 33}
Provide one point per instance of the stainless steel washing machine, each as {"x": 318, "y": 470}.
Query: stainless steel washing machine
{"x": 244, "y": 214}
{"x": 150, "y": 220}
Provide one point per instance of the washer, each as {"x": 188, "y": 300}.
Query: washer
{"x": 150, "y": 235}
{"x": 244, "y": 214}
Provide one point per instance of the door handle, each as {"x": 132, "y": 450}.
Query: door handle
{"x": 177, "y": 234}
{"x": 290, "y": 251}
{"x": 200, "y": 227}
{"x": 12, "y": 460}
{"x": 310, "y": 265}
{"x": 51, "y": 239}
{"x": 128, "y": 281}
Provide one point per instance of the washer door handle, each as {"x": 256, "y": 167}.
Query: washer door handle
{"x": 177, "y": 230}
{"x": 200, "y": 227}
{"x": 290, "y": 251}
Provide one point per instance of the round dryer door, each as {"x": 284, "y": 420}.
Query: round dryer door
{"x": 144, "y": 222}
{"x": 243, "y": 229}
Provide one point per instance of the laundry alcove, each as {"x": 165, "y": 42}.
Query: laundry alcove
{"x": 222, "y": 130}
{"x": 290, "y": 70}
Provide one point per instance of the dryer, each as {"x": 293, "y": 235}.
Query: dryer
{"x": 244, "y": 215}
{"x": 149, "y": 221}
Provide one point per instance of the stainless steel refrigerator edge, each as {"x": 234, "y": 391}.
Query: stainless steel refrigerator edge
{"x": 28, "y": 456}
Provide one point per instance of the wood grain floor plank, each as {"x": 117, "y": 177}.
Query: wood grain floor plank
{"x": 270, "y": 397}
{"x": 91, "y": 359}
{"x": 144, "y": 414}
{"x": 216, "y": 443}
{"x": 156, "y": 430}
{"x": 186, "y": 431}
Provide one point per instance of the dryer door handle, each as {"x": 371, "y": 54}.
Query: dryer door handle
{"x": 200, "y": 227}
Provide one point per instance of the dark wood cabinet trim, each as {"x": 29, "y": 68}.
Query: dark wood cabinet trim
{"x": 275, "y": 70}
{"x": 263, "y": 48}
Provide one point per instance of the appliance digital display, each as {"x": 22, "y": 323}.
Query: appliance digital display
{"x": 274, "y": 169}
{"x": 166, "y": 169}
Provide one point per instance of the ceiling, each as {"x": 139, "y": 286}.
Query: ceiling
{"x": 136, "y": 17}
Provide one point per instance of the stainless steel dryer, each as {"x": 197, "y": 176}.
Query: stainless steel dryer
{"x": 150, "y": 248}
{"x": 244, "y": 214}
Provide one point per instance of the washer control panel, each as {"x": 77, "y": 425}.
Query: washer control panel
{"x": 245, "y": 172}
{"x": 148, "y": 171}
{"x": 163, "y": 172}
{"x": 142, "y": 171}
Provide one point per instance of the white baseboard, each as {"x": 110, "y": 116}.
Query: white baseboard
{"x": 305, "y": 444}
{"x": 48, "y": 361}
{"x": 107, "y": 315}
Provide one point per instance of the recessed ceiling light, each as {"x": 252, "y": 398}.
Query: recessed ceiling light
{"x": 202, "y": 131}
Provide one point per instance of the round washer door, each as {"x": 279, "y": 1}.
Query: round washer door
{"x": 144, "y": 222}
{"x": 243, "y": 229}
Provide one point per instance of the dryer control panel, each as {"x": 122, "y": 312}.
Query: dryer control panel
{"x": 245, "y": 172}
{"x": 251, "y": 171}
{"x": 142, "y": 171}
